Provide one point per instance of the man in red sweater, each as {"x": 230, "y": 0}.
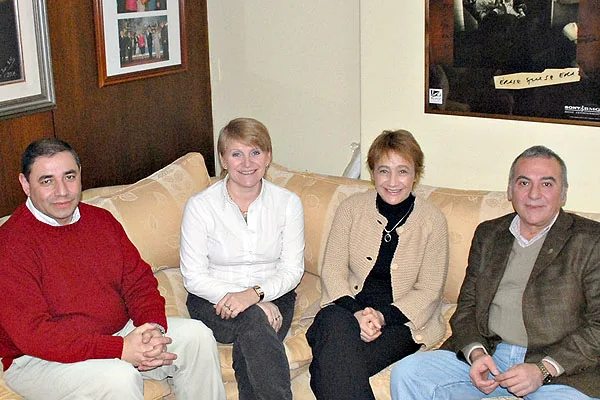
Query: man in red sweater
{"x": 80, "y": 312}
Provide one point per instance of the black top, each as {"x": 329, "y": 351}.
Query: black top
{"x": 377, "y": 290}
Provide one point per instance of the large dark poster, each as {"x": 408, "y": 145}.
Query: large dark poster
{"x": 523, "y": 59}
{"x": 10, "y": 48}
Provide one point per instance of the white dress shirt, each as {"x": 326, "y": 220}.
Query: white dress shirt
{"x": 40, "y": 216}
{"x": 220, "y": 252}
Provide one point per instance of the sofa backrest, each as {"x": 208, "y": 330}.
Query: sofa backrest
{"x": 320, "y": 195}
{"x": 464, "y": 210}
{"x": 151, "y": 211}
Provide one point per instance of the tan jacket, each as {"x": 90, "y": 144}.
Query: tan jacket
{"x": 418, "y": 269}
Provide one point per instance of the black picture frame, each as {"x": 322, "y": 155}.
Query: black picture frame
{"x": 531, "y": 60}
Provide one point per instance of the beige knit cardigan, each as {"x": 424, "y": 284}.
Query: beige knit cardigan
{"x": 418, "y": 269}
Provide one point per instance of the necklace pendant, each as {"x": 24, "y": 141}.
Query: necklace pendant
{"x": 387, "y": 237}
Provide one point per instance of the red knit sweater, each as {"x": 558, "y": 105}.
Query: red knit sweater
{"x": 64, "y": 291}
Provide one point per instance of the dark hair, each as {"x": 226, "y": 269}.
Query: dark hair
{"x": 400, "y": 142}
{"x": 539, "y": 152}
{"x": 46, "y": 147}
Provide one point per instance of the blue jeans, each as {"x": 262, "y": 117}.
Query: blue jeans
{"x": 439, "y": 374}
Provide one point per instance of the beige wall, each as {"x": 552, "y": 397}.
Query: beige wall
{"x": 461, "y": 152}
{"x": 316, "y": 71}
{"x": 294, "y": 66}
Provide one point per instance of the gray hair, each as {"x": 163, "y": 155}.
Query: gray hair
{"x": 540, "y": 152}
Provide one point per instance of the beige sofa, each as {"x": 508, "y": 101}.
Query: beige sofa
{"x": 151, "y": 210}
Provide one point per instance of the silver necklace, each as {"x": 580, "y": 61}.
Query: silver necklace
{"x": 387, "y": 237}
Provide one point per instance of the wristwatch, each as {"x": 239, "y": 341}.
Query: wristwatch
{"x": 259, "y": 292}
{"x": 546, "y": 375}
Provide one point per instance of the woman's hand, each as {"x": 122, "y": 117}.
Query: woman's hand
{"x": 273, "y": 314}
{"x": 232, "y": 304}
{"x": 371, "y": 323}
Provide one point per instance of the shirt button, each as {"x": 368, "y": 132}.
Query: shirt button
{"x": 418, "y": 337}
{"x": 395, "y": 266}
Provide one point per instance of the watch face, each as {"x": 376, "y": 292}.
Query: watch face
{"x": 259, "y": 292}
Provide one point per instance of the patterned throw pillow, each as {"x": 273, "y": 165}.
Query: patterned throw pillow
{"x": 151, "y": 209}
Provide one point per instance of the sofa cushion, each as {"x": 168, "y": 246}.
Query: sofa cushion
{"x": 153, "y": 390}
{"x": 170, "y": 285}
{"x": 5, "y": 392}
{"x": 320, "y": 195}
{"x": 102, "y": 191}
{"x": 464, "y": 210}
{"x": 151, "y": 209}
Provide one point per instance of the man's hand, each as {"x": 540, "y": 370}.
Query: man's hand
{"x": 481, "y": 367}
{"x": 273, "y": 314}
{"x": 521, "y": 379}
{"x": 146, "y": 348}
{"x": 234, "y": 303}
{"x": 371, "y": 322}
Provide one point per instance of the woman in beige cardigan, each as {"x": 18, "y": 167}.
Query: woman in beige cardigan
{"x": 383, "y": 276}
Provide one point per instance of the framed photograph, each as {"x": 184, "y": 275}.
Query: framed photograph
{"x": 138, "y": 39}
{"x": 26, "y": 83}
{"x": 535, "y": 60}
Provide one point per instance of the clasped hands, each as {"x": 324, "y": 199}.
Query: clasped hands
{"x": 235, "y": 303}
{"x": 146, "y": 348}
{"x": 371, "y": 323}
{"x": 520, "y": 379}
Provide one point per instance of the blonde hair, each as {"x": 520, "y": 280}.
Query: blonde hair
{"x": 247, "y": 131}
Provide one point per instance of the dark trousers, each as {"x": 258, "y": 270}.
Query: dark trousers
{"x": 342, "y": 363}
{"x": 261, "y": 367}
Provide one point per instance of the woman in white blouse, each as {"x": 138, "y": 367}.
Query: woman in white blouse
{"x": 242, "y": 255}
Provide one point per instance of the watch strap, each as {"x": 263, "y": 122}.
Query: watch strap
{"x": 546, "y": 375}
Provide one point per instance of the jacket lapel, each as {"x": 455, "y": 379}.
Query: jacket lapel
{"x": 556, "y": 239}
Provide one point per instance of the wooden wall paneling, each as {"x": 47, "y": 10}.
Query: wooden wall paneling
{"x": 122, "y": 132}
{"x": 126, "y": 131}
{"x": 15, "y": 135}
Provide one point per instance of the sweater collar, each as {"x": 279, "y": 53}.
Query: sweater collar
{"x": 391, "y": 211}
